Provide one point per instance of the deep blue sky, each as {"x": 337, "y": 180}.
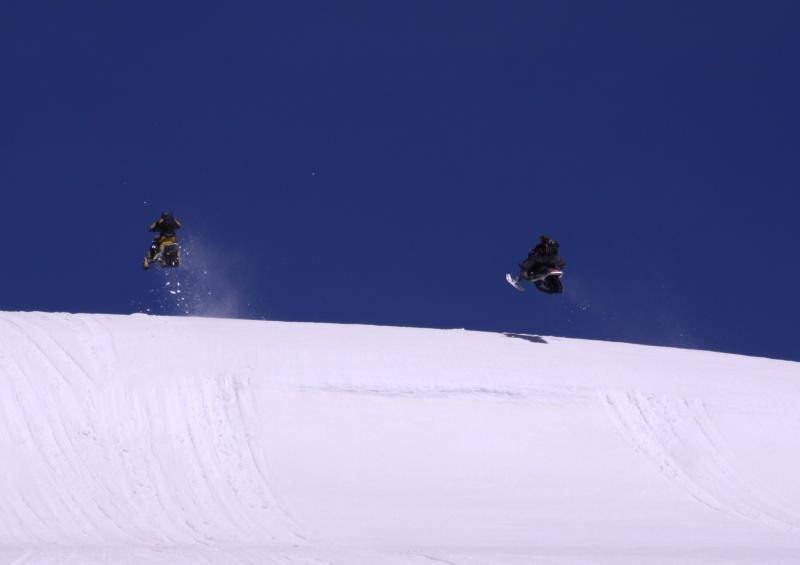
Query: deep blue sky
{"x": 388, "y": 162}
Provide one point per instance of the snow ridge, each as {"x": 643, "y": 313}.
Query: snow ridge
{"x": 142, "y": 439}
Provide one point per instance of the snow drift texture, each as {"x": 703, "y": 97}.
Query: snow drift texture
{"x": 181, "y": 440}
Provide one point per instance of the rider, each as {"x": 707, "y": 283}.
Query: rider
{"x": 541, "y": 259}
{"x": 166, "y": 226}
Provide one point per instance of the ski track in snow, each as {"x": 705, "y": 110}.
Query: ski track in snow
{"x": 117, "y": 453}
{"x": 63, "y": 422}
{"x": 678, "y": 435}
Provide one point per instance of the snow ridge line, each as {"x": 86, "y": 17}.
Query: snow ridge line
{"x": 557, "y": 394}
{"x": 678, "y": 435}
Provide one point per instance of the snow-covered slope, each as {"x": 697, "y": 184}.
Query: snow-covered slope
{"x": 145, "y": 439}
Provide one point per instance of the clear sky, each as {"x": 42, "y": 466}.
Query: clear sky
{"x": 388, "y": 162}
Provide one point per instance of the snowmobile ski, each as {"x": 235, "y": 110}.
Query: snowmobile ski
{"x": 514, "y": 282}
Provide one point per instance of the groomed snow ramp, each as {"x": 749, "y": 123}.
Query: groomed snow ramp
{"x": 142, "y": 439}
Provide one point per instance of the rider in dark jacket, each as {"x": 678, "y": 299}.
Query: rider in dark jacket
{"x": 166, "y": 225}
{"x": 542, "y": 258}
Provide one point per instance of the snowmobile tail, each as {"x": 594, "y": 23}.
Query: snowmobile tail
{"x": 551, "y": 284}
{"x": 168, "y": 257}
{"x": 170, "y": 253}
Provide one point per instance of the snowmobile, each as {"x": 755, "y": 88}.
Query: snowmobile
{"x": 547, "y": 280}
{"x": 165, "y": 255}
{"x": 543, "y": 267}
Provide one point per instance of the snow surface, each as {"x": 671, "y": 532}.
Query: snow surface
{"x": 143, "y": 439}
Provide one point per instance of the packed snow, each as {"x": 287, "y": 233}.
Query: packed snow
{"x": 146, "y": 439}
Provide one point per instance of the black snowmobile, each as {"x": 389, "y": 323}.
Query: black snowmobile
{"x": 543, "y": 267}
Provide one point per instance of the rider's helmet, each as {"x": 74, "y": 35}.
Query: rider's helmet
{"x": 166, "y": 215}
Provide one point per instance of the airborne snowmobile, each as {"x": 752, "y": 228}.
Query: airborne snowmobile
{"x": 165, "y": 251}
{"x": 543, "y": 267}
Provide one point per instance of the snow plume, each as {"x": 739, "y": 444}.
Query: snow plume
{"x": 203, "y": 285}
